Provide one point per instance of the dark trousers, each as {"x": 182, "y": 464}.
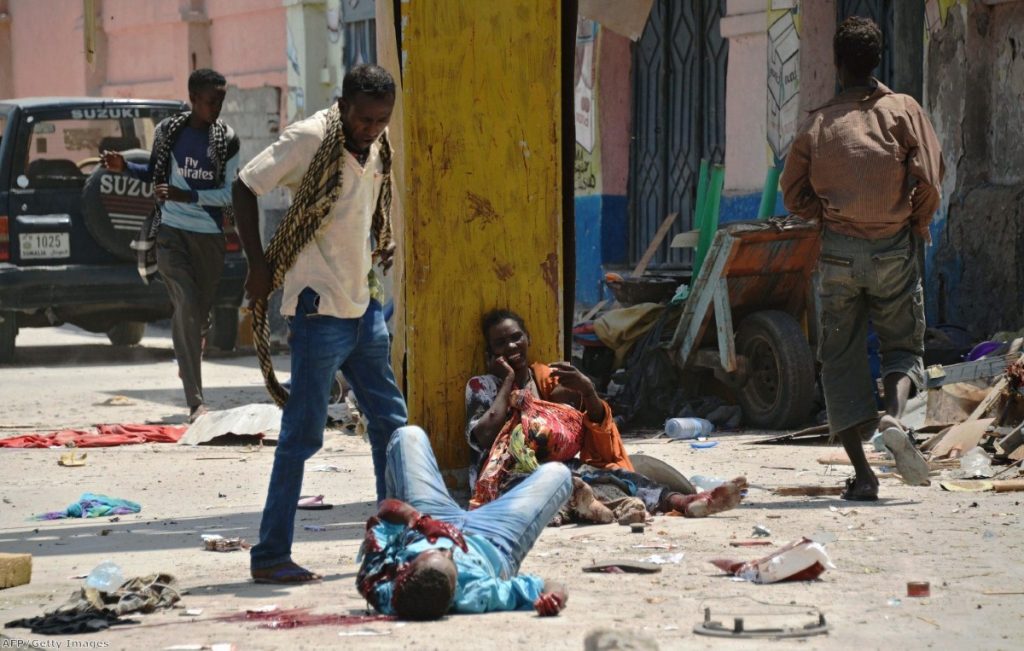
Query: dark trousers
{"x": 190, "y": 265}
{"x": 861, "y": 279}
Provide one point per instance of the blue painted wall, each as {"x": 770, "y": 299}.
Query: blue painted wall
{"x": 602, "y": 238}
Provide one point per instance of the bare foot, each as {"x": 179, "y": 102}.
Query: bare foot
{"x": 585, "y": 505}
{"x": 722, "y": 498}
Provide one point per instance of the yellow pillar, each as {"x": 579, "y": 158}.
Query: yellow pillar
{"x": 483, "y": 195}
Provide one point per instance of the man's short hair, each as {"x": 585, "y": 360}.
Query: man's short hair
{"x": 423, "y": 594}
{"x": 367, "y": 79}
{"x": 858, "y": 45}
{"x": 205, "y": 78}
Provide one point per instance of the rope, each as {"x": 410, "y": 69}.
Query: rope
{"x": 308, "y": 214}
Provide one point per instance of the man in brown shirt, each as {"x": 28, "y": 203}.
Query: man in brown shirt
{"x": 867, "y": 165}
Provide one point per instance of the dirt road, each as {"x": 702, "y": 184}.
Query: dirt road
{"x": 967, "y": 546}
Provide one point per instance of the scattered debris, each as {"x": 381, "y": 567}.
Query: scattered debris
{"x": 314, "y": 527}
{"x": 192, "y": 612}
{"x": 761, "y": 531}
{"x": 91, "y": 505}
{"x": 800, "y": 560}
{"x": 771, "y": 621}
{"x": 750, "y": 543}
{"x": 603, "y": 639}
{"x": 256, "y": 420}
{"x": 218, "y": 543}
{"x": 984, "y": 485}
{"x": 671, "y": 559}
{"x": 313, "y": 503}
{"x": 15, "y": 570}
{"x": 71, "y": 460}
{"x": 103, "y": 436}
{"x": 623, "y": 567}
{"x": 326, "y": 468}
{"x": 88, "y": 609}
{"x": 636, "y": 527}
{"x": 808, "y": 490}
{"x": 918, "y": 589}
{"x": 115, "y": 401}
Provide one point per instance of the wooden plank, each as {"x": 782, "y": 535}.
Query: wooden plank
{"x": 723, "y": 323}
{"x": 652, "y": 248}
{"x": 990, "y": 400}
{"x": 482, "y": 196}
{"x": 594, "y": 310}
{"x": 961, "y": 438}
{"x": 1008, "y": 485}
{"x": 808, "y": 490}
{"x": 692, "y": 322}
{"x": 840, "y": 459}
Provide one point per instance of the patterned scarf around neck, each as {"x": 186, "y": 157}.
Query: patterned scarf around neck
{"x": 307, "y": 215}
{"x": 166, "y": 135}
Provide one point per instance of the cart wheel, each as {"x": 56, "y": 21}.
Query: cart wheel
{"x": 779, "y": 391}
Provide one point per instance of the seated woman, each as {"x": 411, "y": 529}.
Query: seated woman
{"x": 497, "y": 433}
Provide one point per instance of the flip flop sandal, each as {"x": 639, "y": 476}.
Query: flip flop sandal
{"x": 288, "y": 574}
{"x": 861, "y": 496}
{"x": 909, "y": 462}
{"x": 623, "y": 567}
{"x": 314, "y": 503}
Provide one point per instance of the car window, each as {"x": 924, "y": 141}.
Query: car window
{"x": 3, "y": 123}
{"x": 63, "y": 151}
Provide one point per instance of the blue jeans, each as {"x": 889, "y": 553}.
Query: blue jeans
{"x": 320, "y": 345}
{"x": 512, "y": 523}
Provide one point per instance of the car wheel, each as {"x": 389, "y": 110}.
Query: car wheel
{"x": 779, "y": 391}
{"x": 8, "y": 333}
{"x": 126, "y": 333}
{"x": 224, "y": 333}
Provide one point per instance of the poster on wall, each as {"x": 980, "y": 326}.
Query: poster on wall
{"x": 783, "y": 80}
{"x": 584, "y": 89}
{"x": 586, "y": 172}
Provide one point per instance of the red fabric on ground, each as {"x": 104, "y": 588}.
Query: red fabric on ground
{"x": 104, "y": 436}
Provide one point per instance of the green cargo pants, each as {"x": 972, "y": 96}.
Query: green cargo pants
{"x": 860, "y": 279}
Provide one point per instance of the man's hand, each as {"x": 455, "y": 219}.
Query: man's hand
{"x": 165, "y": 192}
{"x": 113, "y": 161}
{"x": 434, "y": 529}
{"x": 552, "y": 601}
{"x": 258, "y": 281}
{"x": 499, "y": 367}
{"x": 398, "y": 512}
{"x": 387, "y": 257}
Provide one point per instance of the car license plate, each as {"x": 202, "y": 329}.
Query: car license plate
{"x": 45, "y": 245}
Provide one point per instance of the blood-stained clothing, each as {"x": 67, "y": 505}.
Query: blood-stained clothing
{"x": 480, "y": 584}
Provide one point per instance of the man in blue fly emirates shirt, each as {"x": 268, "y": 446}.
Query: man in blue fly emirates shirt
{"x": 192, "y": 166}
{"x": 421, "y": 567}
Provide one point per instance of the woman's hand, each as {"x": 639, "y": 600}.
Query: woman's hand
{"x": 571, "y": 378}
{"x": 499, "y": 367}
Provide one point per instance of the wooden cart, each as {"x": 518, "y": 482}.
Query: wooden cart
{"x": 757, "y": 275}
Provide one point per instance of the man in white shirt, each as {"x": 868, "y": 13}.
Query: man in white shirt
{"x": 330, "y": 298}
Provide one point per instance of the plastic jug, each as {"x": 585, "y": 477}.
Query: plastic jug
{"x": 682, "y": 429}
{"x": 105, "y": 577}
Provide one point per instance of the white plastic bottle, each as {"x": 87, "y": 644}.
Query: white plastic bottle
{"x": 105, "y": 577}
{"x": 682, "y": 429}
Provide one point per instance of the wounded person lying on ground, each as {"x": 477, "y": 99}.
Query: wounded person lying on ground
{"x": 421, "y": 567}
{"x": 521, "y": 415}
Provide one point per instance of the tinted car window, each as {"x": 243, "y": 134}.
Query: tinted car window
{"x": 63, "y": 151}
